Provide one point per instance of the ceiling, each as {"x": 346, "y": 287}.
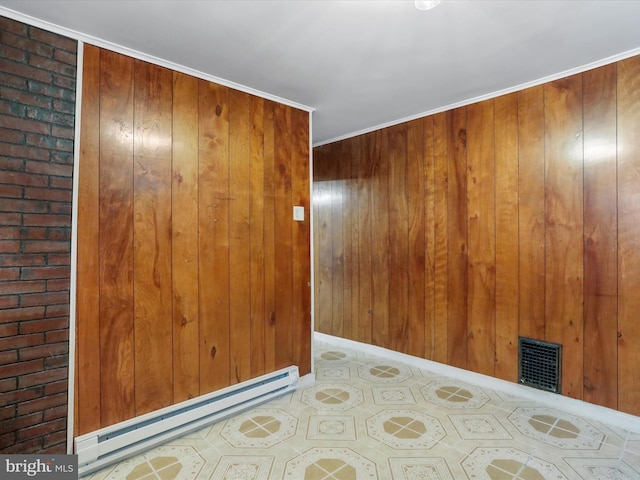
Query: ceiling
{"x": 361, "y": 64}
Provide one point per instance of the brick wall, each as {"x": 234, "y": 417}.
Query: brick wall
{"x": 37, "y": 105}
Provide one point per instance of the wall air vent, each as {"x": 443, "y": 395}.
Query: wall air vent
{"x": 539, "y": 364}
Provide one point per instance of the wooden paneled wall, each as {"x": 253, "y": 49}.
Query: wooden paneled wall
{"x": 449, "y": 236}
{"x": 192, "y": 274}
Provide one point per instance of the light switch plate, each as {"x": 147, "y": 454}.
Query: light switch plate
{"x": 298, "y": 214}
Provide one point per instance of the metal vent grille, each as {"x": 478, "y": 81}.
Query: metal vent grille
{"x": 539, "y": 364}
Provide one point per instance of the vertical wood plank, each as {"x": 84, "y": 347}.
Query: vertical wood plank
{"x": 239, "y": 221}
{"x": 600, "y": 239}
{"x": 398, "y": 272}
{"x": 347, "y": 227}
{"x": 481, "y": 304}
{"x": 365, "y": 249}
{"x": 87, "y": 401}
{"x": 184, "y": 240}
{"x": 116, "y": 238}
{"x": 628, "y": 234}
{"x": 415, "y": 179}
{"x": 441, "y": 238}
{"x": 300, "y": 191}
{"x": 256, "y": 234}
{"x": 531, "y": 212}
{"x": 378, "y": 159}
{"x": 506, "y": 133}
{"x": 213, "y": 235}
{"x": 355, "y": 153}
{"x": 428, "y": 160}
{"x": 457, "y": 238}
{"x": 323, "y": 236}
{"x": 269, "y": 237}
{"x": 564, "y": 223}
{"x": 153, "y": 99}
{"x": 337, "y": 243}
{"x": 283, "y": 236}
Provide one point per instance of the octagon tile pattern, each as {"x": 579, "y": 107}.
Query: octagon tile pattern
{"x": 369, "y": 418}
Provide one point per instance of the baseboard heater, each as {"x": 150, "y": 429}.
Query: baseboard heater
{"x": 108, "y": 445}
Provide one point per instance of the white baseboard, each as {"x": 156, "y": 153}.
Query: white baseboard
{"x": 572, "y": 406}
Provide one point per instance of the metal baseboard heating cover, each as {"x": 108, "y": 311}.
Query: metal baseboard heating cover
{"x": 108, "y": 445}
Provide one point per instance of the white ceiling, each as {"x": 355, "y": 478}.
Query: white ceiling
{"x": 361, "y": 64}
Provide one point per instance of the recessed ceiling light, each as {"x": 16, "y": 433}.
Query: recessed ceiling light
{"x": 426, "y": 4}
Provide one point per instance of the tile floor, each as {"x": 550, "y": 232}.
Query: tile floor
{"x": 367, "y": 417}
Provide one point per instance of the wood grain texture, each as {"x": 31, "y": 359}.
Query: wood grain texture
{"x": 184, "y": 238}
{"x": 481, "y": 304}
{"x": 600, "y": 242}
{"x": 87, "y": 373}
{"x": 457, "y": 274}
{"x": 530, "y": 229}
{"x": 153, "y": 326}
{"x": 185, "y": 189}
{"x": 337, "y": 237}
{"x": 564, "y": 223}
{"x": 116, "y": 239}
{"x": 628, "y": 121}
{"x": 531, "y": 223}
{"x": 213, "y": 240}
{"x": 256, "y": 235}
{"x": 239, "y": 235}
{"x": 507, "y": 281}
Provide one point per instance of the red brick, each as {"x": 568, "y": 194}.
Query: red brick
{"x": 23, "y": 70}
{"x": 43, "y": 377}
{"x": 24, "y": 206}
{"x": 30, "y": 446}
{"x": 21, "y": 368}
{"x": 7, "y": 412}
{"x": 42, "y": 273}
{"x": 8, "y": 439}
{"x": 8, "y": 330}
{"x": 9, "y": 302}
{"x": 51, "y": 363}
{"x": 6, "y": 163}
{"x": 11, "y": 191}
{"x": 53, "y": 39}
{"x": 42, "y": 403}
{"x": 11, "y": 136}
{"x": 8, "y": 384}
{"x": 63, "y": 132}
{"x": 25, "y": 43}
{"x": 42, "y": 351}
{"x": 36, "y": 326}
{"x": 24, "y": 124}
{"x": 44, "y": 219}
{"x": 57, "y": 336}
{"x": 46, "y": 247}
{"x": 48, "y": 194}
{"x": 18, "y": 396}
{"x": 26, "y": 179}
{"x": 52, "y": 65}
{"x": 61, "y": 182}
{"x": 13, "y": 54}
{"x": 55, "y": 442}
{"x": 42, "y": 429}
{"x": 21, "y": 260}
{"x": 24, "y": 151}
{"x": 45, "y": 168}
{"x": 8, "y": 356}
{"x": 61, "y": 285}
{"x": 9, "y": 274}
{"x": 57, "y": 208}
{"x": 21, "y": 341}
{"x": 10, "y": 218}
{"x": 56, "y": 310}
{"x": 59, "y": 233}
{"x": 21, "y": 422}
{"x": 58, "y": 259}
{"x": 26, "y": 98}
{"x": 20, "y": 314}
{"x": 13, "y": 26}
{"x": 9, "y": 246}
{"x": 23, "y": 287}
{"x": 56, "y": 387}
{"x": 42, "y": 299}
{"x": 66, "y": 57}
{"x": 17, "y": 233}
